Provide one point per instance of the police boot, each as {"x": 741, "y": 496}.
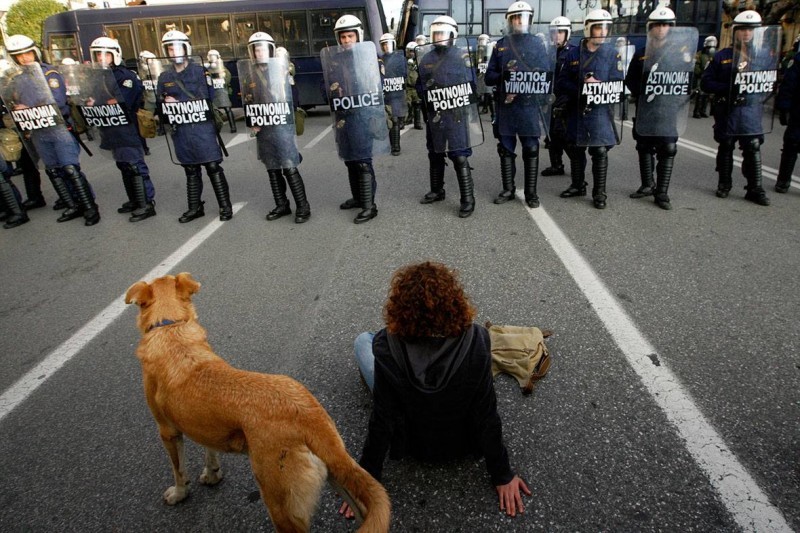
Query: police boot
{"x": 530, "y": 160}
{"x": 278, "y": 186}
{"x": 788, "y": 160}
{"x": 437, "y": 164}
{"x": 417, "y": 117}
{"x": 231, "y": 119}
{"x": 465, "y": 185}
{"x": 507, "y": 171}
{"x": 365, "y": 193}
{"x": 127, "y": 181}
{"x": 697, "y": 104}
{"x": 599, "y": 172}
{"x": 194, "y": 193}
{"x": 556, "y": 167}
{"x": 16, "y": 215}
{"x": 60, "y": 186}
{"x": 666, "y": 159}
{"x": 91, "y": 214}
{"x": 724, "y": 168}
{"x": 577, "y": 169}
{"x": 703, "y": 104}
{"x": 302, "y": 207}
{"x": 352, "y": 177}
{"x": 220, "y": 186}
{"x": 751, "y": 159}
{"x": 144, "y": 209}
{"x": 394, "y": 136}
{"x": 646, "y": 173}
{"x": 33, "y": 183}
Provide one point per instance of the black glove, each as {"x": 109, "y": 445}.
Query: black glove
{"x": 783, "y": 117}
{"x": 506, "y": 75}
{"x": 739, "y": 101}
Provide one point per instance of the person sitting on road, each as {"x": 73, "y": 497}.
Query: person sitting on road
{"x": 430, "y": 373}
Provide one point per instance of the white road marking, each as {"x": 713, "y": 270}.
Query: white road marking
{"x": 239, "y": 139}
{"x": 326, "y": 130}
{"x": 737, "y": 490}
{"x": 27, "y": 384}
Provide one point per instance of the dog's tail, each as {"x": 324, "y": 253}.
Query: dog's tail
{"x": 365, "y": 495}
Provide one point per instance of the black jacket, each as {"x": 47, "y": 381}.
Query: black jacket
{"x": 434, "y": 400}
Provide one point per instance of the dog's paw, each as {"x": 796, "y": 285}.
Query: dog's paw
{"x": 211, "y": 476}
{"x": 174, "y": 494}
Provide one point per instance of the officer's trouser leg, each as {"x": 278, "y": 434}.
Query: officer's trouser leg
{"x": 666, "y": 160}
{"x": 33, "y": 182}
{"x": 725, "y": 167}
{"x": 352, "y": 177}
{"x": 751, "y": 160}
{"x": 436, "y": 163}
{"x": 417, "y": 116}
{"x": 465, "y": 185}
{"x": 220, "y": 185}
{"x": 366, "y": 176}
{"x": 130, "y": 205}
{"x": 646, "y": 164}
{"x": 144, "y": 209}
{"x": 278, "y": 186}
{"x": 507, "y": 172}
{"x": 577, "y": 168}
{"x": 80, "y": 185}
{"x": 788, "y": 161}
{"x": 599, "y": 172}
{"x": 231, "y": 119}
{"x": 302, "y": 207}
{"x": 15, "y": 214}
{"x": 60, "y": 186}
{"x": 394, "y": 136}
{"x": 530, "y": 160}
{"x": 194, "y": 194}
{"x": 556, "y": 167}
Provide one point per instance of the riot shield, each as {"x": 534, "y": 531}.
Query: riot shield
{"x": 187, "y": 120}
{"x": 451, "y": 100}
{"x": 527, "y": 86}
{"x": 394, "y": 81}
{"x": 662, "y": 108}
{"x": 753, "y": 82}
{"x": 482, "y": 55}
{"x": 269, "y": 110}
{"x": 71, "y": 75}
{"x": 602, "y": 89}
{"x": 29, "y": 100}
{"x": 355, "y": 96}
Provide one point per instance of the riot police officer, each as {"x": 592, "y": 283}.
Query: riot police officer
{"x": 592, "y": 71}
{"x": 58, "y": 149}
{"x": 739, "y": 109}
{"x": 788, "y": 105}
{"x": 485, "y": 96}
{"x": 11, "y": 210}
{"x": 394, "y": 69}
{"x": 196, "y": 142}
{"x": 560, "y": 31}
{"x": 123, "y": 140}
{"x": 659, "y": 78}
{"x": 702, "y": 60}
{"x": 421, "y": 39}
{"x": 442, "y": 68}
{"x": 265, "y": 81}
{"x": 221, "y": 80}
{"x": 412, "y": 98}
{"x": 521, "y": 71}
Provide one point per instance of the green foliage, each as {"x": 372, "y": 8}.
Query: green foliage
{"x": 26, "y": 17}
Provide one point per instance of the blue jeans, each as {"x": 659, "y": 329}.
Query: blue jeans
{"x": 365, "y": 357}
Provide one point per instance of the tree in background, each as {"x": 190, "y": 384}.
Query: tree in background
{"x": 26, "y": 17}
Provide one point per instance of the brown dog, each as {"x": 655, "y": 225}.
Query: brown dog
{"x": 290, "y": 439}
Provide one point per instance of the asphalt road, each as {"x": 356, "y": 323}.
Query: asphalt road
{"x": 672, "y": 404}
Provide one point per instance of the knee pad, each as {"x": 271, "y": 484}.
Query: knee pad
{"x": 751, "y": 145}
{"x": 598, "y": 151}
{"x": 502, "y": 151}
{"x": 726, "y": 146}
{"x": 459, "y": 161}
{"x": 667, "y": 150}
{"x": 53, "y": 173}
{"x": 530, "y": 151}
{"x": 365, "y": 167}
{"x": 70, "y": 171}
{"x": 192, "y": 171}
{"x": 213, "y": 167}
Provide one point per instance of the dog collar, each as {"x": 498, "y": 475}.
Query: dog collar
{"x": 165, "y": 322}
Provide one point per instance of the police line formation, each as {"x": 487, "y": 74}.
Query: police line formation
{"x": 533, "y": 84}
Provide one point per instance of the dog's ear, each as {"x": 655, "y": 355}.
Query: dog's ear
{"x": 185, "y": 285}
{"x": 140, "y": 293}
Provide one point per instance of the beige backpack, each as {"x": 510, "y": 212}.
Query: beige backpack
{"x": 520, "y": 351}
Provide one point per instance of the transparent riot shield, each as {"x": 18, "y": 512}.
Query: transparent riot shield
{"x": 394, "y": 83}
{"x": 186, "y": 114}
{"x": 526, "y": 90}
{"x": 71, "y": 75}
{"x": 149, "y": 80}
{"x": 482, "y": 54}
{"x": 662, "y": 108}
{"x": 451, "y": 99}
{"x": 29, "y": 100}
{"x": 269, "y": 110}
{"x": 355, "y": 96}
{"x": 602, "y": 89}
{"x": 756, "y": 53}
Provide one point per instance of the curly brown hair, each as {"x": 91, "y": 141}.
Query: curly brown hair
{"x": 427, "y": 300}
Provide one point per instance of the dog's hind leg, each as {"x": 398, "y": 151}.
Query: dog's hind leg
{"x": 173, "y": 443}
{"x": 212, "y": 473}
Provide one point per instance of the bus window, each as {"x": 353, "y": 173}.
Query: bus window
{"x": 244, "y": 26}
{"x": 63, "y": 46}
{"x": 124, "y": 36}
{"x": 271, "y": 23}
{"x": 197, "y": 31}
{"x": 322, "y": 23}
{"x": 469, "y": 16}
{"x": 219, "y": 35}
{"x": 548, "y": 11}
{"x": 295, "y": 32}
{"x": 496, "y": 25}
{"x": 427, "y": 19}
{"x": 149, "y": 38}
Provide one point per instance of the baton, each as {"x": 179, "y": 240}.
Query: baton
{"x": 78, "y": 138}
{"x": 222, "y": 145}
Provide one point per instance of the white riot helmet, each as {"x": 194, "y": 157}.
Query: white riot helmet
{"x": 19, "y": 44}
{"x": 710, "y": 42}
{"x": 596, "y": 17}
{"x": 446, "y": 25}
{"x": 105, "y": 45}
{"x": 746, "y": 19}
{"x": 212, "y": 56}
{"x": 68, "y": 61}
{"x": 420, "y": 40}
{"x": 174, "y": 38}
{"x": 620, "y": 42}
{"x": 349, "y": 23}
{"x": 525, "y": 11}
{"x": 388, "y": 40}
{"x": 260, "y": 41}
{"x": 661, "y": 15}
{"x": 483, "y": 39}
{"x": 561, "y": 24}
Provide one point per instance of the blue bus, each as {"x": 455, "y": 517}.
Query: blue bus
{"x": 304, "y": 28}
